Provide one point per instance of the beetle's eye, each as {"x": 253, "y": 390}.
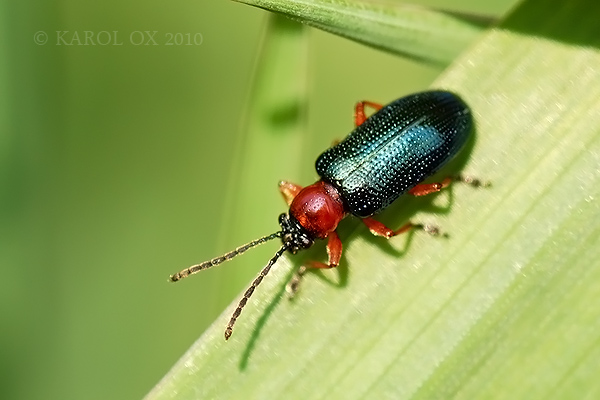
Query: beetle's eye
{"x": 306, "y": 242}
{"x": 281, "y": 217}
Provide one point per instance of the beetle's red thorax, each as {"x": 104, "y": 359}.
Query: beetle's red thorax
{"x": 318, "y": 208}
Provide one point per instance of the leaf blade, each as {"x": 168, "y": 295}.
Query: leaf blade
{"x": 507, "y": 307}
{"x": 423, "y": 34}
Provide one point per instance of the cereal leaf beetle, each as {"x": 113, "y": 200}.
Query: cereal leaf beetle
{"x": 386, "y": 155}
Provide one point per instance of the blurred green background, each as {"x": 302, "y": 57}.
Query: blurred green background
{"x": 115, "y": 169}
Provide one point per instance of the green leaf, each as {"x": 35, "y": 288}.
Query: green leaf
{"x": 413, "y": 31}
{"x": 507, "y": 307}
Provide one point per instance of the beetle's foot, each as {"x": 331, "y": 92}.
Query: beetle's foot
{"x": 432, "y": 230}
{"x": 472, "y": 181}
{"x": 294, "y": 284}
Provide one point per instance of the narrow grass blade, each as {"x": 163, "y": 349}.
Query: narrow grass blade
{"x": 412, "y": 31}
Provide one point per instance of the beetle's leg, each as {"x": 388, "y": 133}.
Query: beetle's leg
{"x": 379, "y": 229}
{"x": 428, "y": 188}
{"x": 334, "y": 254}
{"x": 359, "y": 111}
{"x": 289, "y": 190}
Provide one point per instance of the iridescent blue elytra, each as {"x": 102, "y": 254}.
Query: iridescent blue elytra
{"x": 395, "y": 149}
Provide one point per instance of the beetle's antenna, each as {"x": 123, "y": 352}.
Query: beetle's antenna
{"x": 225, "y": 257}
{"x": 250, "y": 290}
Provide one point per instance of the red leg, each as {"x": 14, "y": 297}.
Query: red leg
{"x": 289, "y": 190}
{"x": 379, "y": 229}
{"x": 424, "y": 189}
{"x": 334, "y": 254}
{"x": 359, "y": 111}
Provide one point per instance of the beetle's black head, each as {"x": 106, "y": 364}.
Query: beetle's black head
{"x": 294, "y": 236}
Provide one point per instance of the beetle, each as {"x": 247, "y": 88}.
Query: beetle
{"x": 388, "y": 154}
